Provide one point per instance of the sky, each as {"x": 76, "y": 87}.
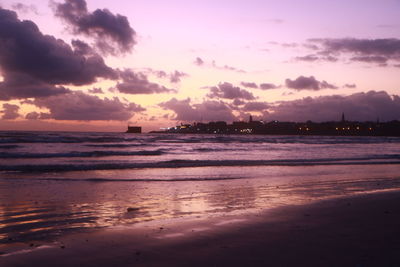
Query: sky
{"x": 97, "y": 65}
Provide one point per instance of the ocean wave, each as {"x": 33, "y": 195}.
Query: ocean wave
{"x": 81, "y": 154}
{"x": 105, "y": 180}
{"x": 126, "y": 140}
{"x": 8, "y": 146}
{"x": 118, "y": 145}
{"x": 371, "y": 160}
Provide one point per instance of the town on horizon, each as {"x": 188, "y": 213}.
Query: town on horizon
{"x": 341, "y": 128}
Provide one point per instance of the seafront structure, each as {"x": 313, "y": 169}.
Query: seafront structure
{"x": 134, "y": 129}
{"x": 343, "y": 127}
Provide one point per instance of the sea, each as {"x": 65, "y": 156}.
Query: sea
{"x": 55, "y": 183}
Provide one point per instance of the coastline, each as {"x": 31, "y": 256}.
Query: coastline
{"x": 359, "y": 230}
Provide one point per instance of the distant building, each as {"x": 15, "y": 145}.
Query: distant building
{"x": 134, "y": 129}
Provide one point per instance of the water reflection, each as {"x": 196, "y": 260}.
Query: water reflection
{"x": 34, "y": 209}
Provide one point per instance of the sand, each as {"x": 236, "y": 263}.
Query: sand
{"x": 362, "y": 230}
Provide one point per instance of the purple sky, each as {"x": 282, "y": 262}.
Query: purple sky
{"x": 99, "y": 65}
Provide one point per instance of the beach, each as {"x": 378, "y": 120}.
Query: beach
{"x": 360, "y": 230}
{"x": 111, "y": 199}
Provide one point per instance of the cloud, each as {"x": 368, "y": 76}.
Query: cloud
{"x": 314, "y": 58}
{"x": 10, "y": 112}
{"x": 256, "y": 106}
{"x": 83, "y": 107}
{"x": 308, "y": 83}
{"x": 42, "y": 60}
{"x": 268, "y": 86}
{"x": 25, "y": 8}
{"x": 227, "y": 67}
{"x": 238, "y": 102}
{"x": 364, "y": 50}
{"x": 228, "y": 91}
{"x": 357, "y": 107}
{"x": 262, "y": 86}
{"x": 198, "y": 61}
{"x": 38, "y": 116}
{"x": 308, "y": 58}
{"x": 205, "y": 111}
{"x": 137, "y": 83}
{"x": 249, "y": 85}
{"x": 176, "y": 76}
{"x": 350, "y": 85}
{"x": 19, "y": 85}
{"x": 96, "y": 91}
{"x": 370, "y": 59}
{"x": 113, "y": 33}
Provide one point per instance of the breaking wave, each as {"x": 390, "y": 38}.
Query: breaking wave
{"x": 371, "y": 160}
{"x": 83, "y": 154}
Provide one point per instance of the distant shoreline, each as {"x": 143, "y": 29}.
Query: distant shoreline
{"x": 333, "y": 128}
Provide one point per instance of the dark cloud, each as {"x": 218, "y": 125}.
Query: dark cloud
{"x": 249, "y": 85}
{"x": 32, "y": 116}
{"x": 96, "y": 91}
{"x": 10, "y": 112}
{"x": 19, "y": 85}
{"x": 370, "y": 59}
{"x": 238, "y": 102}
{"x": 314, "y": 58}
{"x": 42, "y": 61}
{"x": 268, "y": 86}
{"x": 83, "y": 107}
{"x": 358, "y": 107}
{"x": 113, "y": 33}
{"x": 82, "y": 48}
{"x": 198, "y": 61}
{"x": 308, "y": 83}
{"x": 227, "y": 67}
{"x": 350, "y": 85}
{"x": 364, "y": 50}
{"x": 256, "y": 106}
{"x": 228, "y": 91}
{"x": 137, "y": 83}
{"x": 176, "y": 76}
{"x": 206, "y": 111}
{"x": 284, "y": 45}
{"x": 308, "y": 58}
{"x": 160, "y": 73}
{"x": 38, "y": 116}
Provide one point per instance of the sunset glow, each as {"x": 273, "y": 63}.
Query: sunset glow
{"x": 97, "y": 65}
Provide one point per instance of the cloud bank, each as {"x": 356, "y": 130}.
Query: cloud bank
{"x": 82, "y": 107}
{"x": 228, "y": 91}
{"x": 137, "y": 83}
{"x": 358, "y": 107}
{"x": 113, "y": 33}
{"x": 308, "y": 83}
{"x": 207, "y": 110}
{"x": 35, "y": 65}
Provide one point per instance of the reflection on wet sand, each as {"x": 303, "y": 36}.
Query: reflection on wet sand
{"x": 44, "y": 210}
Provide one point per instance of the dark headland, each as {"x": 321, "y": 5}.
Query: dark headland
{"x": 334, "y": 128}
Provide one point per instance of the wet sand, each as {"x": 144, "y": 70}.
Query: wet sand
{"x": 362, "y": 230}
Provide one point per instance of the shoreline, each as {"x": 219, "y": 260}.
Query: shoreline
{"x": 348, "y": 231}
